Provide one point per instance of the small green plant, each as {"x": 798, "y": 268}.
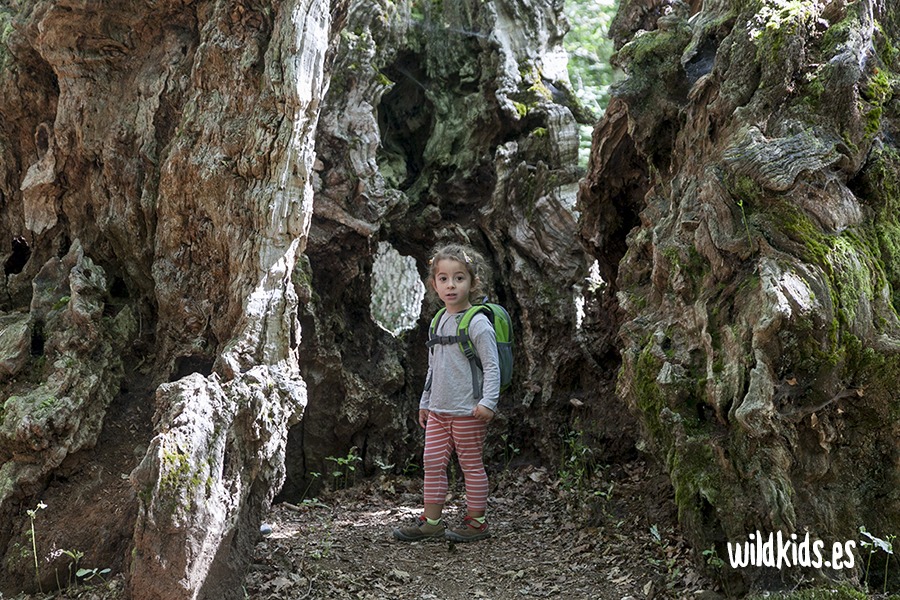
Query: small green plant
{"x": 411, "y": 467}
{"x": 717, "y": 563}
{"x": 385, "y": 467}
{"x": 740, "y": 204}
{"x": 672, "y": 570}
{"x": 345, "y": 466}
{"x": 712, "y": 558}
{"x": 578, "y": 464}
{"x": 76, "y": 556}
{"x": 88, "y": 574}
{"x": 323, "y": 545}
{"x": 607, "y": 493}
{"x": 313, "y": 476}
{"x": 590, "y": 70}
{"x": 31, "y": 515}
{"x": 509, "y": 450}
{"x": 874, "y": 544}
{"x": 61, "y": 303}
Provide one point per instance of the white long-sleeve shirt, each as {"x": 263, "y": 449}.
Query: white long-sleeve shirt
{"x": 451, "y": 391}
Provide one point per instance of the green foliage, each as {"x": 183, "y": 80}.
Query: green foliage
{"x": 881, "y": 188}
{"x": 667, "y": 554}
{"x": 313, "y": 475}
{"x": 344, "y": 468}
{"x": 591, "y": 72}
{"x": 875, "y": 544}
{"x": 778, "y": 20}
{"x": 88, "y": 574}
{"x": 578, "y": 462}
{"x": 77, "y": 574}
{"x": 876, "y": 92}
{"x": 411, "y": 467}
{"x": 521, "y": 108}
{"x": 815, "y": 245}
{"x": 590, "y": 49}
{"x": 829, "y": 593}
{"x": 61, "y": 303}
{"x": 509, "y": 450}
{"x": 877, "y": 89}
{"x": 883, "y": 46}
{"x": 745, "y": 191}
{"x": 76, "y": 556}
{"x": 177, "y": 468}
{"x": 179, "y": 481}
{"x": 712, "y": 558}
{"x": 6, "y": 29}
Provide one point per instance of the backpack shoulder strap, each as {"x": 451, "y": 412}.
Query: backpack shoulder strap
{"x": 465, "y": 342}
{"x": 436, "y": 320}
{"x": 474, "y": 310}
{"x": 433, "y": 338}
{"x": 468, "y": 348}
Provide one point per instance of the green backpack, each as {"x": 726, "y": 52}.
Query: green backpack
{"x": 502, "y": 331}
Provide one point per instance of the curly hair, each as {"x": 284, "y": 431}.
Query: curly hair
{"x": 474, "y": 262}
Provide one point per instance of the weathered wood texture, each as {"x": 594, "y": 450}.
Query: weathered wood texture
{"x": 155, "y": 178}
{"x": 161, "y": 248}
{"x": 751, "y": 159}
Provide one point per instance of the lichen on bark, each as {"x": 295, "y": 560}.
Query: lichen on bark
{"x": 156, "y": 181}
{"x": 761, "y": 372}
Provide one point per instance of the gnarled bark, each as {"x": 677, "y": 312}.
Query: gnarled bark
{"x": 758, "y": 285}
{"x": 156, "y": 182}
{"x": 445, "y": 121}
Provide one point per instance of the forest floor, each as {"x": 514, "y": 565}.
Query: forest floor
{"x": 610, "y": 536}
{"x": 619, "y": 540}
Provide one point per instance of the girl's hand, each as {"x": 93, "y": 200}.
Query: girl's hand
{"x": 483, "y": 413}
{"x": 423, "y": 417}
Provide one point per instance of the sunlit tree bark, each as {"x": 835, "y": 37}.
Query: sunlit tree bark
{"x": 742, "y": 198}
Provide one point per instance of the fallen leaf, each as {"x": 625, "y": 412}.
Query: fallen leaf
{"x": 401, "y": 576}
{"x": 279, "y": 583}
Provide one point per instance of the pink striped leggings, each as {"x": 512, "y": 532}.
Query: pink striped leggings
{"x": 443, "y": 434}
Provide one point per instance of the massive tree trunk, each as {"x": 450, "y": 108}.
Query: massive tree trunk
{"x": 165, "y": 311}
{"x": 749, "y": 164}
{"x": 156, "y": 191}
{"x": 157, "y": 180}
{"x": 446, "y": 121}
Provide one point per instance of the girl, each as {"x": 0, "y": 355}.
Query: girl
{"x": 452, "y": 418}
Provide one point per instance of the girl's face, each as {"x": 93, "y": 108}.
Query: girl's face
{"x": 452, "y": 283}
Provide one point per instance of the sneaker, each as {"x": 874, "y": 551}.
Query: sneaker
{"x": 470, "y": 531}
{"x": 420, "y": 530}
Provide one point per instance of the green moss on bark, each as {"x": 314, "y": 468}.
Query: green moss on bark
{"x": 880, "y": 188}
{"x": 777, "y": 21}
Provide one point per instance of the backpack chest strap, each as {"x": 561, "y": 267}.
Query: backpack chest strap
{"x": 444, "y": 340}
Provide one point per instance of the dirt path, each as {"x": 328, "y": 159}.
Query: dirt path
{"x": 615, "y": 539}
{"x": 547, "y": 543}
